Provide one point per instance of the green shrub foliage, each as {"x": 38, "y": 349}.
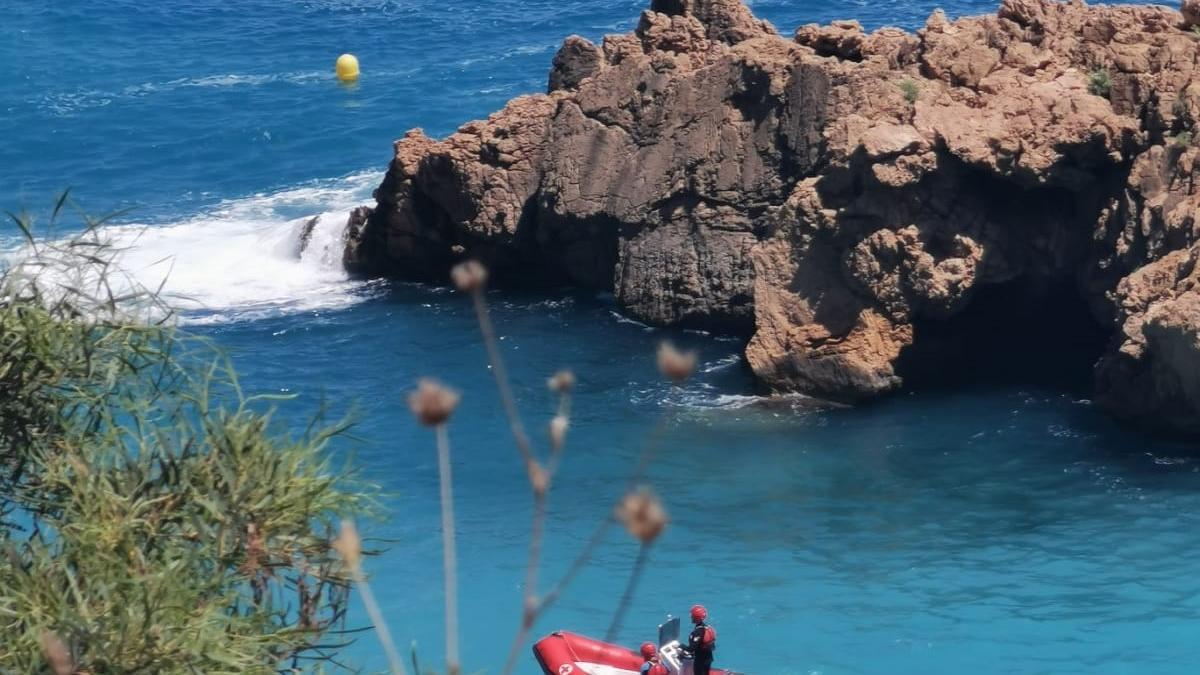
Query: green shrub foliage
{"x": 155, "y": 519}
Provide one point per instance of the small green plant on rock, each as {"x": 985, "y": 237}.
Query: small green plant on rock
{"x": 909, "y": 87}
{"x": 1179, "y": 107}
{"x": 1099, "y": 82}
{"x": 1182, "y": 139}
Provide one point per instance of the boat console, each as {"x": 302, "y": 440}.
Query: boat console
{"x": 670, "y": 651}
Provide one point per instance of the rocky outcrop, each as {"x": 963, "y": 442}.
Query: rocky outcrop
{"x": 1154, "y": 373}
{"x": 835, "y": 193}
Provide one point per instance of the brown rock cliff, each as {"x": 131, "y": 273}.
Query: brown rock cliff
{"x": 834, "y": 193}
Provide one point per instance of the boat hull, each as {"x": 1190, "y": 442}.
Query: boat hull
{"x": 564, "y": 653}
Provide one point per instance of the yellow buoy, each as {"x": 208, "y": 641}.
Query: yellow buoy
{"x": 346, "y": 68}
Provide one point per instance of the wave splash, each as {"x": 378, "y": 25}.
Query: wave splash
{"x": 248, "y": 258}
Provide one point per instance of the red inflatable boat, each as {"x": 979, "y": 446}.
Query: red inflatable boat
{"x": 563, "y": 653}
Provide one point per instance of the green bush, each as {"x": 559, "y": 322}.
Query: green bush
{"x": 910, "y": 90}
{"x": 1100, "y": 82}
{"x": 154, "y": 519}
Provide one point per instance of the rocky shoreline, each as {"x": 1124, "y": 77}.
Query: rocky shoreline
{"x": 842, "y": 196}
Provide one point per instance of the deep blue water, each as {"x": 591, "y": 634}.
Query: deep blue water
{"x": 1004, "y": 529}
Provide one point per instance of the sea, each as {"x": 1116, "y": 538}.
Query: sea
{"x": 1004, "y": 525}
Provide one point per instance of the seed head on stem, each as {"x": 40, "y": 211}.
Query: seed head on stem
{"x": 539, "y": 480}
{"x": 562, "y": 382}
{"x": 642, "y": 514}
{"x": 470, "y": 276}
{"x": 349, "y": 545}
{"x": 676, "y": 365}
{"x": 432, "y": 403}
{"x": 531, "y": 606}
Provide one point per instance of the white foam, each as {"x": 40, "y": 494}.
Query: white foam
{"x": 722, "y": 364}
{"x": 242, "y": 260}
{"x": 739, "y": 401}
{"x": 621, "y": 318}
{"x": 64, "y": 103}
{"x": 535, "y": 49}
{"x": 227, "y": 80}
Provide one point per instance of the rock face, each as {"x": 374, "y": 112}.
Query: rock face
{"x": 834, "y": 193}
{"x": 1154, "y": 373}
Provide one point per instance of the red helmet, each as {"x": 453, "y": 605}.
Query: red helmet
{"x": 699, "y": 613}
{"x": 648, "y": 650}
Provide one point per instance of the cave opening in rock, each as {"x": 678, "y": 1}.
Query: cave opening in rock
{"x": 1009, "y": 334}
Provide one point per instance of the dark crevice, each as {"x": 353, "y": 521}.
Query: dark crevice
{"x": 548, "y": 250}
{"x": 1012, "y": 333}
{"x": 577, "y": 251}
{"x": 802, "y": 119}
{"x": 754, "y": 99}
{"x": 668, "y": 7}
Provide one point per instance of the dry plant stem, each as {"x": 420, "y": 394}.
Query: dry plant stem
{"x": 385, "y": 636}
{"x": 598, "y": 535}
{"x": 576, "y": 567}
{"x": 500, "y": 373}
{"x": 635, "y": 576}
{"x": 648, "y": 450}
{"x": 415, "y": 663}
{"x": 515, "y": 649}
{"x": 564, "y": 404}
{"x": 449, "y": 554}
{"x": 639, "y": 564}
{"x": 501, "y": 376}
{"x": 538, "y": 529}
{"x": 542, "y": 605}
{"x": 532, "y": 608}
{"x": 535, "y": 552}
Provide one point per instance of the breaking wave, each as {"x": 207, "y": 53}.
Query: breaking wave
{"x": 248, "y": 258}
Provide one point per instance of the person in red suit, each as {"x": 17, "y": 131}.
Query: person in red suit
{"x": 701, "y": 642}
{"x": 651, "y": 665}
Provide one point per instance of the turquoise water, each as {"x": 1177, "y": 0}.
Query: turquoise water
{"x": 1003, "y": 529}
